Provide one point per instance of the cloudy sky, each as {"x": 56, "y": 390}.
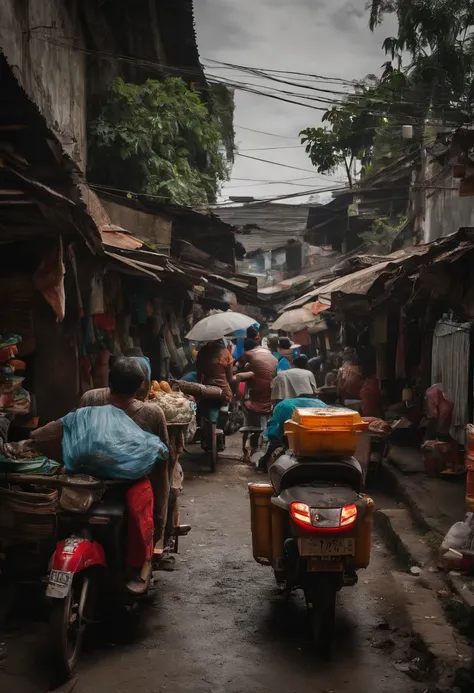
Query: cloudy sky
{"x": 324, "y": 37}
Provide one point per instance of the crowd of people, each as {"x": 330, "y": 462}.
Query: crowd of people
{"x": 274, "y": 379}
{"x": 270, "y": 381}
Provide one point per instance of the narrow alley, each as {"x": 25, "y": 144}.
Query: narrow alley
{"x": 236, "y": 346}
{"x": 217, "y": 624}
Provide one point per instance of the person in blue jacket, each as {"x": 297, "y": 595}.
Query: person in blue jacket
{"x": 275, "y": 430}
{"x": 277, "y": 346}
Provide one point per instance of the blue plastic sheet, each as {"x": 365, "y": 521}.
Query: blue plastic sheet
{"x": 105, "y": 443}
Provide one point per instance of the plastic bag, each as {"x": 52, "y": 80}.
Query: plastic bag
{"x": 458, "y": 536}
{"x": 192, "y": 426}
{"x": 106, "y": 443}
{"x": 439, "y": 407}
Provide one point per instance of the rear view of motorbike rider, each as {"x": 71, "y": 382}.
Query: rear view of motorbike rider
{"x": 283, "y": 385}
{"x": 147, "y": 499}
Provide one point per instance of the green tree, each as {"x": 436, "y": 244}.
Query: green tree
{"x": 438, "y": 36}
{"x": 223, "y": 108}
{"x": 348, "y": 138}
{"x": 383, "y": 233}
{"x": 364, "y": 128}
{"x": 158, "y": 138}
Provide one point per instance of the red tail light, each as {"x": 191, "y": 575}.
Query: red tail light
{"x": 348, "y": 515}
{"x": 323, "y": 519}
{"x": 301, "y": 514}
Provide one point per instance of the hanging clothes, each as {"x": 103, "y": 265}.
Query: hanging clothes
{"x": 72, "y": 260}
{"x": 49, "y": 279}
{"x": 97, "y": 302}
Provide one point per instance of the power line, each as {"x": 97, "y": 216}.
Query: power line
{"x": 267, "y": 149}
{"x": 259, "y": 185}
{"x": 275, "y": 163}
{"x": 212, "y": 79}
{"x": 270, "y": 134}
{"x": 159, "y": 67}
{"x": 272, "y": 180}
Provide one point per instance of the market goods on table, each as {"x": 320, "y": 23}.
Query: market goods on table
{"x": 176, "y": 407}
{"x": 14, "y": 399}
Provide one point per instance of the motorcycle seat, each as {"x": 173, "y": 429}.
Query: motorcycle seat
{"x": 108, "y": 507}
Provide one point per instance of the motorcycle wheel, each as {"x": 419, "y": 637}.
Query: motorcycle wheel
{"x": 322, "y": 613}
{"x": 67, "y": 627}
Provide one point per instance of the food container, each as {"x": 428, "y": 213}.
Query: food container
{"x": 331, "y": 431}
{"x": 366, "y": 508}
{"x": 327, "y": 416}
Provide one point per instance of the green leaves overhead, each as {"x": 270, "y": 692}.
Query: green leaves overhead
{"x": 158, "y": 138}
{"x": 353, "y": 127}
{"x": 438, "y": 36}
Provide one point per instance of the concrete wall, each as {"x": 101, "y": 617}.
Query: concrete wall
{"x": 150, "y": 227}
{"x": 52, "y": 75}
{"x": 445, "y": 211}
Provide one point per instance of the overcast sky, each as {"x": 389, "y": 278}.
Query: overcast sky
{"x": 325, "y": 37}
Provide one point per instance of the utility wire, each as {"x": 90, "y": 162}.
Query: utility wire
{"x": 275, "y": 163}
{"x": 262, "y": 132}
{"x": 212, "y": 79}
{"x": 267, "y": 149}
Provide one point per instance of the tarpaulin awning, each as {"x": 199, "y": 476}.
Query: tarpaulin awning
{"x": 319, "y": 306}
{"x": 295, "y": 320}
{"x": 375, "y": 281}
{"x": 129, "y": 266}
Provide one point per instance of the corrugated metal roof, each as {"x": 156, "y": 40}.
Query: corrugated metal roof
{"x": 360, "y": 283}
{"x": 111, "y": 236}
{"x": 357, "y": 283}
{"x": 276, "y": 223}
{"x": 133, "y": 267}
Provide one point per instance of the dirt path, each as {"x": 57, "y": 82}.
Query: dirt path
{"x": 217, "y": 624}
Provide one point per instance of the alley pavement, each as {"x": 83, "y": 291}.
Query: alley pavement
{"x": 216, "y": 623}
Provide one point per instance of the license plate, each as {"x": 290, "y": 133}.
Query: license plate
{"x": 318, "y": 565}
{"x": 59, "y": 584}
{"x": 326, "y": 547}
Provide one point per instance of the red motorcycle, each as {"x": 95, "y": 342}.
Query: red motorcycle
{"x": 87, "y": 576}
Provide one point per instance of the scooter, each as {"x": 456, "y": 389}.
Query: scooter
{"x": 312, "y": 524}
{"x": 87, "y": 580}
{"x": 87, "y": 571}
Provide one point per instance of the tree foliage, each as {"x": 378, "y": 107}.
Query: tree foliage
{"x": 223, "y": 108}
{"x": 438, "y": 35}
{"x": 383, "y": 233}
{"x": 158, "y": 138}
{"x": 348, "y": 136}
{"x": 364, "y": 128}
{"x": 428, "y": 78}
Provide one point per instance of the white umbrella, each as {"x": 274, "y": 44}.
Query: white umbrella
{"x": 219, "y": 325}
{"x": 295, "y": 320}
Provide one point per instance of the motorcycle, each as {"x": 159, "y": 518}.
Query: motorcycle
{"x": 87, "y": 570}
{"x": 87, "y": 580}
{"x": 312, "y": 524}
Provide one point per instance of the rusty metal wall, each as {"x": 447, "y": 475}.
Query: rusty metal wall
{"x": 450, "y": 366}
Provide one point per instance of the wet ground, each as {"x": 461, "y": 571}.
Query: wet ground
{"x": 216, "y": 624}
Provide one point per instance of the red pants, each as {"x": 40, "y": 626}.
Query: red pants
{"x": 140, "y": 523}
